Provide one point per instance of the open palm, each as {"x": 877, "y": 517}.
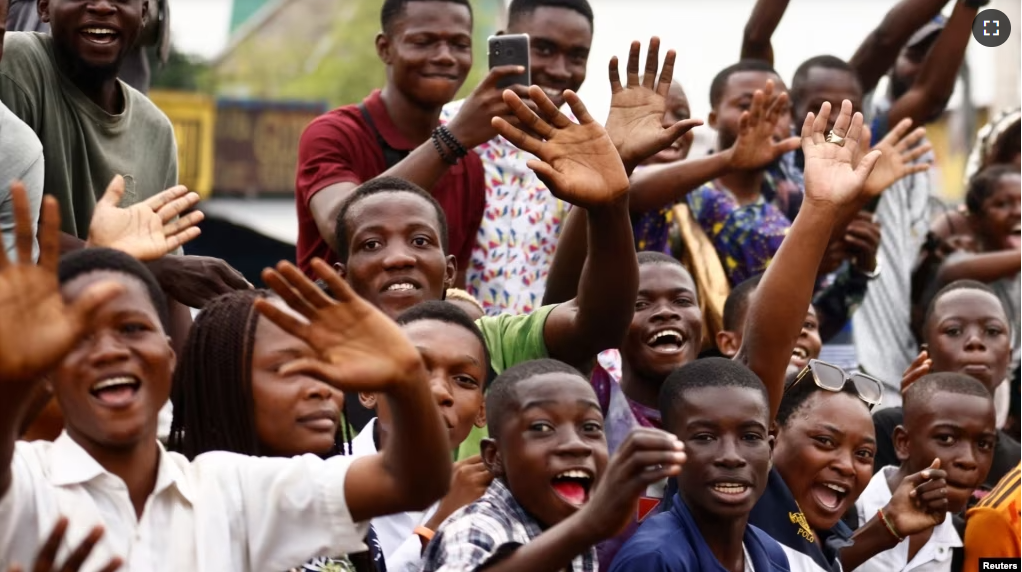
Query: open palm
{"x": 900, "y": 151}
{"x": 635, "y": 122}
{"x": 831, "y": 177}
{"x": 37, "y": 329}
{"x": 577, "y": 161}
{"x": 147, "y": 230}
{"x": 359, "y": 348}
{"x": 755, "y": 146}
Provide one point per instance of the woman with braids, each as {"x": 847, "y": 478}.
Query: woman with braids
{"x": 229, "y": 395}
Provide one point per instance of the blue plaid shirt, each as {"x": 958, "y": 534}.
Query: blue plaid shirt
{"x": 486, "y": 531}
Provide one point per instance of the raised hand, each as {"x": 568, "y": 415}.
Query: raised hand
{"x": 901, "y": 150}
{"x": 920, "y": 501}
{"x": 147, "y": 230}
{"x": 47, "y": 559}
{"x": 635, "y": 122}
{"x": 37, "y": 329}
{"x": 472, "y": 125}
{"x": 916, "y": 370}
{"x": 645, "y": 457}
{"x": 831, "y": 177}
{"x": 756, "y": 146}
{"x": 577, "y": 161}
{"x": 469, "y": 481}
{"x": 359, "y": 348}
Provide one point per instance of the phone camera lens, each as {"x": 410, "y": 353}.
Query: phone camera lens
{"x": 496, "y": 44}
{"x": 496, "y": 52}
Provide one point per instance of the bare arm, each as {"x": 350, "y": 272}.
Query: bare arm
{"x": 932, "y": 88}
{"x": 985, "y": 267}
{"x": 766, "y": 15}
{"x": 780, "y": 303}
{"x": 598, "y": 317}
{"x": 880, "y": 49}
{"x": 569, "y": 259}
{"x": 659, "y": 185}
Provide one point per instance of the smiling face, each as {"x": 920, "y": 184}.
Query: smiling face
{"x": 95, "y": 35}
{"x": 825, "y": 454}
{"x": 559, "y": 42}
{"x": 112, "y": 385}
{"x": 428, "y": 51}
{"x": 551, "y": 449}
{"x": 961, "y": 431}
{"x": 1000, "y": 218}
{"x": 395, "y": 258}
{"x": 736, "y": 99}
{"x": 968, "y": 333}
{"x": 666, "y": 329}
{"x": 727, "y": 444}
{"x": 294, "y": 414}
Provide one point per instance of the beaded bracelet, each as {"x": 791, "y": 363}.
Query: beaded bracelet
{"x": 452, "y": 141}
{"x": 449, "y": 159}
{"x": 889, "y": 525}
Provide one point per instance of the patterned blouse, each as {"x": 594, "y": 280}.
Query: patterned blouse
{"x": 519, "y": 231}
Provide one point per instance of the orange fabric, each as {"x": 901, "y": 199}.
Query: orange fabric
{"x": 992, "y": 528}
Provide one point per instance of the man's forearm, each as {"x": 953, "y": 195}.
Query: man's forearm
{"x": 610, "y": 277}
{"x": 551, "y": 551}
{"x": 880, "y": 49}
{"x": 417, "y": 452}
{"x": 569, "y": 259}
{"x": 763, "y": 22}
{"x": 658, "y": 186}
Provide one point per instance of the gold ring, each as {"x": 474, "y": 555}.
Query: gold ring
{"x": 835, "y": 139}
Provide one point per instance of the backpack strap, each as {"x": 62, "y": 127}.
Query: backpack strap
{"x": 391, "y": 156}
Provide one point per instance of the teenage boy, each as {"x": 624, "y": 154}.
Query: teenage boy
{"x": 720, "y": 411}
{"x": 426, "y": 46}
{"x": 518, "y": 235}
{"x": 99, "y": 338}
{"x": 950, "y": 417}
{"x": 554, "y": 495}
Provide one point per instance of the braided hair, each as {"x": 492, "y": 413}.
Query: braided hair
{"x": 212, "y": 390}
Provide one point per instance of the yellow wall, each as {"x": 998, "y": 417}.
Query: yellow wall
{"x": 951, "y": 156}
{"x": 193, "y": 116}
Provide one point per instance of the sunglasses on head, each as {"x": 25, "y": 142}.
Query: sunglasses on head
{"x": 833, "y": 378}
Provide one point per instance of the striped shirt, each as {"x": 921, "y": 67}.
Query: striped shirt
{"x": 992, "y": 527}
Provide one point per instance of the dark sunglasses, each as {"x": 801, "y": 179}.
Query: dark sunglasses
{"x": 833, "y": 378}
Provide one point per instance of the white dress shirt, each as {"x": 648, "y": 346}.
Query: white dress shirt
{"x": 402, "y": 549}
{"x": 220, "y": 512}
{"x": 934, "y": 556}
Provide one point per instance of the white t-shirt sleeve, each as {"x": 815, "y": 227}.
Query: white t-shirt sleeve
{"x": 293, "y": 509}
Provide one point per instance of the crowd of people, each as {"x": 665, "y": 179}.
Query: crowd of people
{"x": 514, "y": 337}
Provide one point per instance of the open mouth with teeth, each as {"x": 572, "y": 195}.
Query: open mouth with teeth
{"x": 730, "y": 491}
{"x": 100, "y": 35}
{"x": 573, "y": 486}
{"x": 116, "y": 391}
{"x": 401, "y": 287}
{"x": 830, "y": 496}
{"x": 666, "y": 341}
{"x": 799, "y": 354}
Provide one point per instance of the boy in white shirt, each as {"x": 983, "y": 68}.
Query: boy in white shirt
{"x": 98, "y": 337}
{"x": 948, "y": 417}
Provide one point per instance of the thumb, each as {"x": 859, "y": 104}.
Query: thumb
{"x": 866, "y": 165}
{"x": 114, "y": 192}
{"x": 787, "y": 146}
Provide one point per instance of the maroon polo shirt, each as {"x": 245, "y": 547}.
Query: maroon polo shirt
{"x": 340, "y": 147}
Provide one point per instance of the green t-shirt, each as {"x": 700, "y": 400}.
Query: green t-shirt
{"x": 511, "y": 340}
{"x": 83, "y": 145}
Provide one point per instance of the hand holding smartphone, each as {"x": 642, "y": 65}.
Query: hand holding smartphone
{"x": 510, "y": 50}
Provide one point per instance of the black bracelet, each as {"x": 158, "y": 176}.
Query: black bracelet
{"x": 450, "y": 160}
{"x": 452, "y": 141}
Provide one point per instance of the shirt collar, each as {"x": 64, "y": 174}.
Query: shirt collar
{"x": 70, "y": 464}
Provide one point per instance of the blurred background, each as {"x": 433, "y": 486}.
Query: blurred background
{"x": 246, "y": 76}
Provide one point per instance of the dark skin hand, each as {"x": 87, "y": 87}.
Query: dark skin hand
{"x": 633, "y": 120}
{"x": 47, "y": 559}
{"x": 580, "y": 165}
{"x": 919, "y": 503}
{"x": 37, "y": 329}
{"x": 469, "y": 481}
{"x": 878, "y": 52}
{"x": 754, "y": 149}
{"x": 834, "y": 187}
{"x": 645, "y": 457}
{"x": 424, "y": 166}
{"x": 359, "y": 349}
